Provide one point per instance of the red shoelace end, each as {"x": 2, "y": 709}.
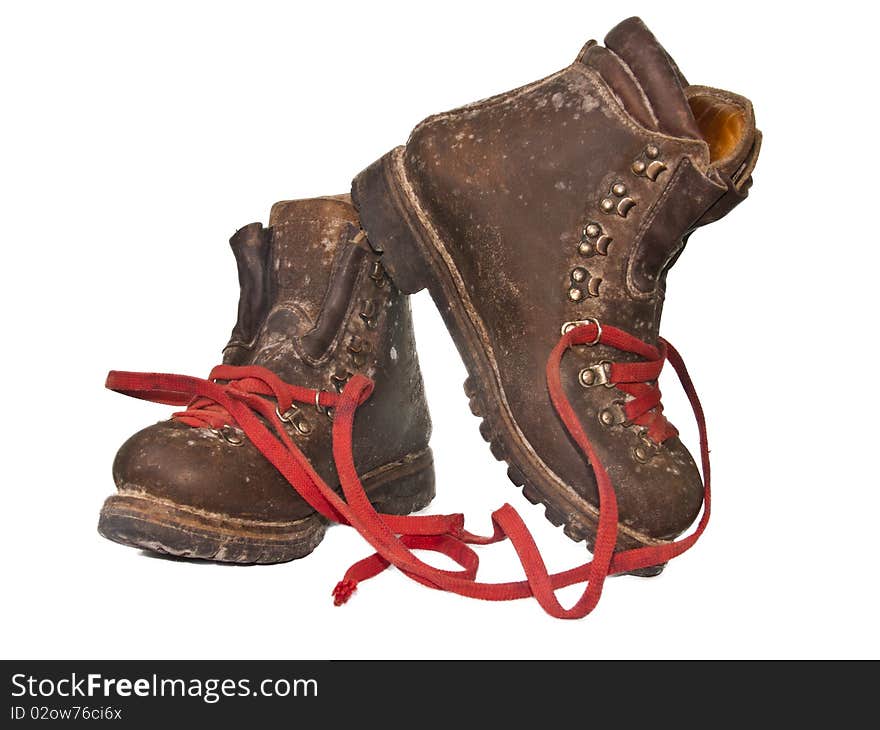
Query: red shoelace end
{"x": 343, "y": 591}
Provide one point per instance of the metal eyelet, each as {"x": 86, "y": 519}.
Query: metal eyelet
{"x": 646, "y": 450}
{"x": 228, "y": 434}
{"x": 359, "y": 349}
{"x": 598, "y": 374}
{"x": 323, "y": 410}
{"x": 607, "y": 417}
{"x": 593, "y": 240}
{"x": 618, "y": 201}
{"x": 649, "y": 165}
{"x": 654, "y": 170}
{"x": 339, "y": 378}
{"x": 377, "y": 274}
{"x": 592, "y": 230}
{"x": 614, "y": 415}
{"x": 295, "y": 418}
{"x": 569, "y": 326}
{"x": 369, "y": 313}
{"x": 579, "y": 274}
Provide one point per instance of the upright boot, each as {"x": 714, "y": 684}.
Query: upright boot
{"x": 316, "y": 307}
{"x": 544, "y": 220}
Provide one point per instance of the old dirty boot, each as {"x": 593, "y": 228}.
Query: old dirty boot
{"x": 544, "y": 221}
{"x": 316, "y": 308}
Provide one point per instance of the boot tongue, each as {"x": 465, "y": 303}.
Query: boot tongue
{"x": 307, "y": 236}
{"x": 659, "y": 77}
{"x": 296, "y": 281}
{"x": 312, "y": 266}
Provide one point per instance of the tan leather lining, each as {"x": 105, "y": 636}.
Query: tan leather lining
{"x": 721, "y": 124}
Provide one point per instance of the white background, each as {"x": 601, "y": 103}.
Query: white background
{"x": 137, "y": 138}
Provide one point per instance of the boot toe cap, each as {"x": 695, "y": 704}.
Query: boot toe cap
{"x": 660, "y": 495}
{"x": 198, "y": 468}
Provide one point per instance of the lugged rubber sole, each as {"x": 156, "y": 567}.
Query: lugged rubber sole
{"x": 161, "y": 526}
{"x": 415, "y": 257}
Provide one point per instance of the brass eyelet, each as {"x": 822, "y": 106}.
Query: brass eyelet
{"x": 608, "y": 418}
{"x": 569, "y": 326}
{"x": 228, "y": 434}
{"x": 323, "y": 410}
{"x": 614, "y": 415}
{"x": 598, "y": 374}
{"x": 295, "y": 417}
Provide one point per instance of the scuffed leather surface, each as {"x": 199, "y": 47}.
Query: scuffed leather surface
{"x": 310, "y": 266}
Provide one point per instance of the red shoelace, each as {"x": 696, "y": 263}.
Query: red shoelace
{"x": 253, "y": 397}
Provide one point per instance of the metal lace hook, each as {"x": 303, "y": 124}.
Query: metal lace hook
{"x": 323, "y": 410}
{"x": 228, "y": 434}
{"x": 569, "y": 326}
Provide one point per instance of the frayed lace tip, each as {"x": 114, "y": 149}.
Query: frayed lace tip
{"x": 343, "y": 591}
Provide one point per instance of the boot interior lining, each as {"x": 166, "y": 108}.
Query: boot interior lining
{"x": 721, "y": 123}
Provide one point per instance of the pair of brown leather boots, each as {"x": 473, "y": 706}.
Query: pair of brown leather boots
{"x": 543, "y": 222}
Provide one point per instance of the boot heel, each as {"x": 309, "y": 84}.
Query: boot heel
{"x": 390, "y": 225}
{"x": 650, "y": 572}
{"x": 406, "y": 488}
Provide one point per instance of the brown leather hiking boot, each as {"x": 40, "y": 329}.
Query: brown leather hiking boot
{"x": 316, "y": 307}
{"x": 560, "y": 205}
